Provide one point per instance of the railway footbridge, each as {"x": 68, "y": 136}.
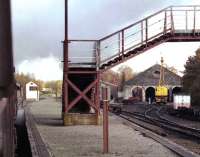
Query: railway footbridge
{"x": 85, "y": 60}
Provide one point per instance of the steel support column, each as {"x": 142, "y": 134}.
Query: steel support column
{"x": 65, "y": 59}
{"x": 97, "y": 92}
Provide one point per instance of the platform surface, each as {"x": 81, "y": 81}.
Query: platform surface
{"x": 86, "y": 141}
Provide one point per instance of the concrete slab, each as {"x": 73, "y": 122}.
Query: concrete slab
{"x": 86, "y": 141}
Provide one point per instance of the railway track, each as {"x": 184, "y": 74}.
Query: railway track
{"x": 175, "y": 123}
{"x": 152, "y": 116}
{"x": 152, "y": 120}
{"x": 140, "y": 120}
{"x": 167, "y": 124}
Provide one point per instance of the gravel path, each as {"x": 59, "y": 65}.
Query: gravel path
{"x": 86, "y": 141}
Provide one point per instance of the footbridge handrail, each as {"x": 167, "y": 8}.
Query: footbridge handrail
{"x": 173, "y": 20}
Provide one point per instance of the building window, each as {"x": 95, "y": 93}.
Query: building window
{"x": 33, "y": 88}
{"x": 157, "y": 72}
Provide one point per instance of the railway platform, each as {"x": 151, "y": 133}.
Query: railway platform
{"x": 48, "y": 137}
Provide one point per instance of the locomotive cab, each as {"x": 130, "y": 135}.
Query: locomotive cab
{"x": 161, "y": 94}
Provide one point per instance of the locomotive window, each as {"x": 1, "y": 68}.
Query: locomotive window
{"x": 32, "y": 88}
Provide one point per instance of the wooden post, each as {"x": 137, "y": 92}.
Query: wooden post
{"x": 105, "y": 121}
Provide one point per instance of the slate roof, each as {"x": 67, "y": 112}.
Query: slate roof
{"x": 150, "y": 77}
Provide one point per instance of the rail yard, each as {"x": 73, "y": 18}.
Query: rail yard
{"x": 156, "y": 118}
{"x": 155, "y": 113}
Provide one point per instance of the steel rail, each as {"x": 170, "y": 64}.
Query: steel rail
{"x": 172, "y": 126}
{"x": 174, "y": 123}
{"x": 163, "y": 123}
{"x": 180, "y": 150}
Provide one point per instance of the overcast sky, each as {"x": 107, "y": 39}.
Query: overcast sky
{"x": 38, "y": 26}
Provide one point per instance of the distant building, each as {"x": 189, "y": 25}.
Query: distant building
{"x": 46, "y": 90}
{"x": 143, "y": 85}
{"x": 32, "y": 92}
{"x": 112, "y": 90}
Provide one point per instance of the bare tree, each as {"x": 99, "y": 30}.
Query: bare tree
{"x": 111, "y": 77}
{"x": 55, "y": 86}
{"x": 125, "y": 73}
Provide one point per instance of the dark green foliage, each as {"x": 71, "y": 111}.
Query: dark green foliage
{"x": 191, "y": 78}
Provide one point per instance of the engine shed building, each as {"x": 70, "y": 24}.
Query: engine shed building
{"x": 143, "y": 85}
{"x": 32, "y": 92}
